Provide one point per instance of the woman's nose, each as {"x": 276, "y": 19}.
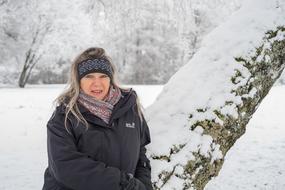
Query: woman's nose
{"x": 96, "y": 81}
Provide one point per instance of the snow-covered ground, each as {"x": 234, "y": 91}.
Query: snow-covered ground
{"x": 255, "y": 162}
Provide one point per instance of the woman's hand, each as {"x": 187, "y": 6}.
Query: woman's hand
{"x": 128, "y": 182}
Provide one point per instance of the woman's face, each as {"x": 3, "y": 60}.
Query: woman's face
{"x": 96, "y": 85}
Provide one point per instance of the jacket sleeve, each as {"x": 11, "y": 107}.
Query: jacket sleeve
{"x": 143, "y": 169}
{"x": 72, "y": 168}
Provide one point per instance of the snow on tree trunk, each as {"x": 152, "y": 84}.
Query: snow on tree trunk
{"x": 206, "y": 105}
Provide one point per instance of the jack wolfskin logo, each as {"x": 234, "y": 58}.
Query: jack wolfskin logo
{"x": 130, "y": 125}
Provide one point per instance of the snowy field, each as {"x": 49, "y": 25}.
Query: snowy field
{"x": 255, "y": 162}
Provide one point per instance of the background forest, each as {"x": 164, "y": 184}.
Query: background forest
{"x": 147, "y": 40}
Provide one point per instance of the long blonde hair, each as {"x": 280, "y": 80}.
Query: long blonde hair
{"x": 70, "y": 95}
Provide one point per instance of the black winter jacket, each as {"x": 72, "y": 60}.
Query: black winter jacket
{"x": 93, "y": 159}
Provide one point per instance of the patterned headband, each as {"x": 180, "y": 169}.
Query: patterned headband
{"x": 94, "y": 65}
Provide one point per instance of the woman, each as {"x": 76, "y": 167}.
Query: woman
{"x": 97, "y": 135}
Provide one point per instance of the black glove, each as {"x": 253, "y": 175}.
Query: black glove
{"x": 128, "y": 182}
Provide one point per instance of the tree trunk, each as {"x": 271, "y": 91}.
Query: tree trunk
{"x": 22, "y": 79}
{"x": 190, "y": 163}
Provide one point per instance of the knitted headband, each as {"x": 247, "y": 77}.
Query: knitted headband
{"x": 99, "y": 65}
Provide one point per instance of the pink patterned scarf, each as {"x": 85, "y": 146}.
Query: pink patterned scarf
{"x": 101, "y": 108}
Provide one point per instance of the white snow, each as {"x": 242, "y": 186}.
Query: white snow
{"x": 255, "y": 162}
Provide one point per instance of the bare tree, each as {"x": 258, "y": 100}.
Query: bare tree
{"x": 33, "y": 55}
